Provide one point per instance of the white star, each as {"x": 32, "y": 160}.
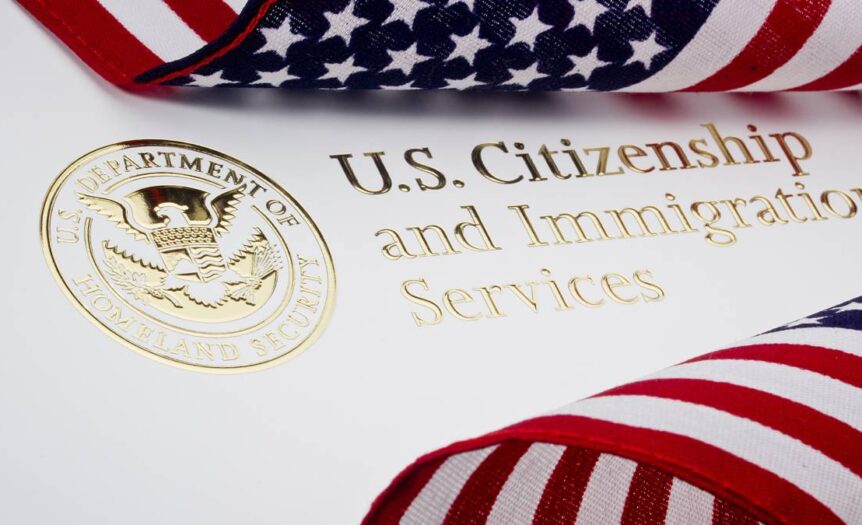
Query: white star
{"x": 585, "y": 66}
{"x": 342, "y": 24}
{"x": 586, "y": 13}
{"x": 405, "y": 10}
{"x": 646, "y": 5}
{"x": 645, "y": 51}
{"x": 405, "y": 60}
{"x": 274, "y": 78}
{"x": 523, "y": 77}
{"x": 528, "y": 29}
{"x": 214, "y": 79}
{"x": 279, "y": 39}
{"x": 464, "y": 83}
{"x": 468, "y": 45}
{"x": 341, "y": 70}
{"x": 852, "y": 307}
{"x": 803, "y": 321}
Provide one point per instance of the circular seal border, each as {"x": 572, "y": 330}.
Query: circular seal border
{"x": 44, "y": 237}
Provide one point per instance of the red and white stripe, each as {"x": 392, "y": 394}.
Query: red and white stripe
{"x": 834, "y": 41}
{"x": 122, "y": 39}
{"x": 769, "y": 45}
{"x": 156, "y": 26}
{"x": 173, "y": 29}
{"x": 768, "y": 430}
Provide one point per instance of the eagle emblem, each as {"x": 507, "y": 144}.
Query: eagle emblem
{"x": 188, "y": 255}
{"x": 176, "y": 243}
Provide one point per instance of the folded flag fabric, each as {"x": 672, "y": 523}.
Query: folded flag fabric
{"x": 606, "y": 45}
{"x": 768, "y": 430}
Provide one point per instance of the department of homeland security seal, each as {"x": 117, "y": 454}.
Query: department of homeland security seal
{"x": 188, "y": 255}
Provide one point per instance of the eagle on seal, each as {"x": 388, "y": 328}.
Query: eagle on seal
{"x": 188, "y": 236}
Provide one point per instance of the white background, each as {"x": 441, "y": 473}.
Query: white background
{"x": 91, "y": 432}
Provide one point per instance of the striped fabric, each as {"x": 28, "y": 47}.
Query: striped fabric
{"x": 768, "y": 430}
{"x": 553, "y": 485}
{"x": 606, "y": 45}
{"x": 123, "y": 38}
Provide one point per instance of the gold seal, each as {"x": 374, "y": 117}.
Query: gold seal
{"x": 188, "y": 256}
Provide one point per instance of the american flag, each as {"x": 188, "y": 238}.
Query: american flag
{"x": 607, "y": 45}
{"x": 766, "y": 431}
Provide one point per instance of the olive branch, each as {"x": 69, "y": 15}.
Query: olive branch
{"x": 135, "y": 283}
